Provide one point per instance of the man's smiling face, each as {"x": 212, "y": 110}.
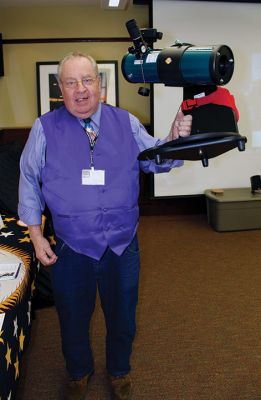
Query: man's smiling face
{"x": 81, "y": 101}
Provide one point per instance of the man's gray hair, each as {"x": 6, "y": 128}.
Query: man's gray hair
{"x": 75, "y": 54}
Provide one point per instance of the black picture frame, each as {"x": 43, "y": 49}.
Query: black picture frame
{"x": 49, "y": 95}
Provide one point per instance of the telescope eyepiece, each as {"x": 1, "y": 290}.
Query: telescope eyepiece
{"x": 133, "y": 29}
{"x": 140, "y": 47}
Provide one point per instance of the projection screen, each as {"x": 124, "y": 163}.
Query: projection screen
{"x": 205, "y": 23}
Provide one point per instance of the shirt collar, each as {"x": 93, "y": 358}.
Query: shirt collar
{"x": 96, "y": 117}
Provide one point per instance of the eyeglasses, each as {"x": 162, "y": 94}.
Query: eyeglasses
{"x": 73, "y": 83}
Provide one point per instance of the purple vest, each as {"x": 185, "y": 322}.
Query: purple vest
{"x": 91, "y": 218}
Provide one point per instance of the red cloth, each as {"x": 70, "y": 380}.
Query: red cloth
{"x": 221, "y": 96}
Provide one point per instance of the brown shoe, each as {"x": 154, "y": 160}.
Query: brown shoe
{"x": 77, "y": 389}
{"x": 121, "y": 387}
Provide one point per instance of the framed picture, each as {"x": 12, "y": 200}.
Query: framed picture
{"x": 49, "y": 95}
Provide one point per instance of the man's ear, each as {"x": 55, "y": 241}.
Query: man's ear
{"x": 99, "y": 83}
{"x": 60, "y": 86}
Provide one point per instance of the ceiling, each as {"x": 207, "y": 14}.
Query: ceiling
{"x": 10, "y": 3}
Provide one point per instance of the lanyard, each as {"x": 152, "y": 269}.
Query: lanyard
{"x": 92, "y": 136}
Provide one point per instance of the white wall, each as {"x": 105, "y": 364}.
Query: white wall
{"x": 203, "y": 23}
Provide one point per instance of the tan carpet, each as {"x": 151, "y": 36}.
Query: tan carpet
{"x": 199, "y": 335}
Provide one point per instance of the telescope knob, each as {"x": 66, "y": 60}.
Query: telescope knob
{"x": 203, "y": 157}
{"x": 158, "y": 159}
{"x": 241, "y": 145}
{"x": 144, "y": 91}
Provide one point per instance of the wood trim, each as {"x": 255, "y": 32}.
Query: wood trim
{"x": 179, "y": 205}
{"x": 8, "y": 135}
{"x": 65, "y": 40}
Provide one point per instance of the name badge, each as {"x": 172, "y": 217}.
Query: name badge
{"x": 93, "y": 177}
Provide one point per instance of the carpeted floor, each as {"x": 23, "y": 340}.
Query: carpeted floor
{"x": 198, "y": 324}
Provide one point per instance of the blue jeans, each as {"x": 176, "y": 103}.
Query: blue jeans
{"x": 75, "y": 280}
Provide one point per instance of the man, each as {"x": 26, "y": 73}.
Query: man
{"x": 87, "y": 173}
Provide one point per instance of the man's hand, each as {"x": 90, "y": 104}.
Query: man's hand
{"x": 181, "y": 126}
{"x": 43, "y": 250}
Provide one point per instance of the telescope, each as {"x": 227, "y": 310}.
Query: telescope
{"x": 180, "y": 65}
{"x": 201, "y": 71}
